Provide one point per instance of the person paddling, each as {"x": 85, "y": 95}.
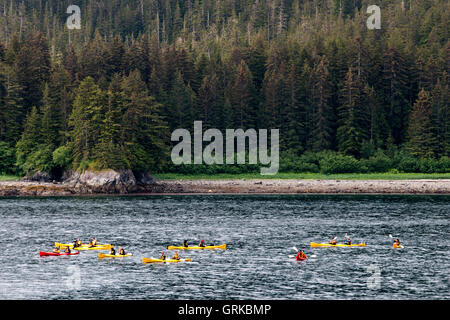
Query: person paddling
{"x": 77, "y": 243}
{"x": 121, "y": 252}
{"x": 300, "y": 255}
{"x": 56, "y": 250}
{"x": 163, "y": 257}
{"x": 176, "y": 256}
{"x": 347, "y": 240}
{"x": 397, "y": 243}
{"x": 94, "y": 242}
{"x": 185, "y": 244}
{"x": 333, "y": 241}
{"x": 67, "y": 250}
{"x": 113, "y": 251}
{"x": 202, "y": 244}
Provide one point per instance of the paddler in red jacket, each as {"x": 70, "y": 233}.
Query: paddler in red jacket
{"x": 202, "y": 244}
{"x": 300, "y": 255}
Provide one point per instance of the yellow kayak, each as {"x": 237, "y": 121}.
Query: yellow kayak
{"x": 92, "y": 248}
{"x": 151, "y": 260}
{"x": 70, "y": 245}
{"x": 102, "y": 255}
{"x": 316, "y": 245}
{"x": 397, "y": 246}
{"x": 222, "y": 246}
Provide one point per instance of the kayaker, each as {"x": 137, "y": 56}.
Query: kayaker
{"x": 185, "y": 244}
{"x": 176, "y": 256}
{"x": 113, "y": 251}
{"x": 397, "y": 242}
{"x": 77, "y": 243}
{"x": 163, "y": 257}
{"x": 348, "y": 241}
{"x": 202, "y": 244}
{"x": 121, "y": 252}
{"x": 90, "y": 245}
{"x": 94, "y": 242}
{"x": 67, "y": 250}
{"x": 300, "y": 255}
{"x": 56, "y": 250}
{"x": 333, "y": 241}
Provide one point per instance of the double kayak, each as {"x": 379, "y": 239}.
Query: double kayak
{"x": 151, "y": 260}
{"x": 91, "y": 248}
{"x": 70, "y": 245}
{"x": 222, "y": 246}
{"x": 317, "y": 245}
{"x": 43, "y": 253}
{"x": 102, "y": 255}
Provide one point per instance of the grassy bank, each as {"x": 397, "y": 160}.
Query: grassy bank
{"x": 8, "y": 178}
{"x": 311, "y": 176}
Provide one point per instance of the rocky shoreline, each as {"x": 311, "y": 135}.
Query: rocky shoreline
{"x": 109, "y": 184}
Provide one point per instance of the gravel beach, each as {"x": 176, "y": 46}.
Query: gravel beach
{"x": 243, "y": 186}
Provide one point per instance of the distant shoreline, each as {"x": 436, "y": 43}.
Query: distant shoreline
{"x": 242, "y": 187}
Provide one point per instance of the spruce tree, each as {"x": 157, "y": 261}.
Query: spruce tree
{"x": 422, "y": 141}
{"x": 321, "y": 135}
{"x": 86, "y": 120}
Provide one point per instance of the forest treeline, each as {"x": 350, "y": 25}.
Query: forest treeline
{"x": 110, "y": 94}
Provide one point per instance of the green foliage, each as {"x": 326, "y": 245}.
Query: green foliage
{"x": 7, "y": 158}
{"x": 378, "y": 163}
{"x": 340, "y": 164}
{"x": 62, "y": 157}
{"x": 112, "y": 92}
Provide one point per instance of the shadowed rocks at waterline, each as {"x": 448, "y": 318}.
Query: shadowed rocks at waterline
{"x": 87, "y": 182}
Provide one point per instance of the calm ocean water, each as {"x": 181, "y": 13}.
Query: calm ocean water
{"x": 259, "y": 231}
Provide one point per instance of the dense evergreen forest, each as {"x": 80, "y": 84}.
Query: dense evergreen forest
{"x": 345, "y": 98}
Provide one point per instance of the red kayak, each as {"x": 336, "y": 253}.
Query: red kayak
{"x": 42, "y": 253}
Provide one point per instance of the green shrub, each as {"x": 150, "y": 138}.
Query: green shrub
{"x": 84, "y": 165}
{"x": 405, "y": 162}
{"x": 378, "y": 163}
{"x": 62, "y": 157}
{"x": 443, "y": 165}
{"x": 341, "y": 164}
{"x": 428, "y": 165}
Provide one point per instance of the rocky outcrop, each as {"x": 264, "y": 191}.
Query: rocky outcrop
{"x": 39, "y": 176}
{"x": 84, "y": 183}
{"x": 105, "y": 181}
